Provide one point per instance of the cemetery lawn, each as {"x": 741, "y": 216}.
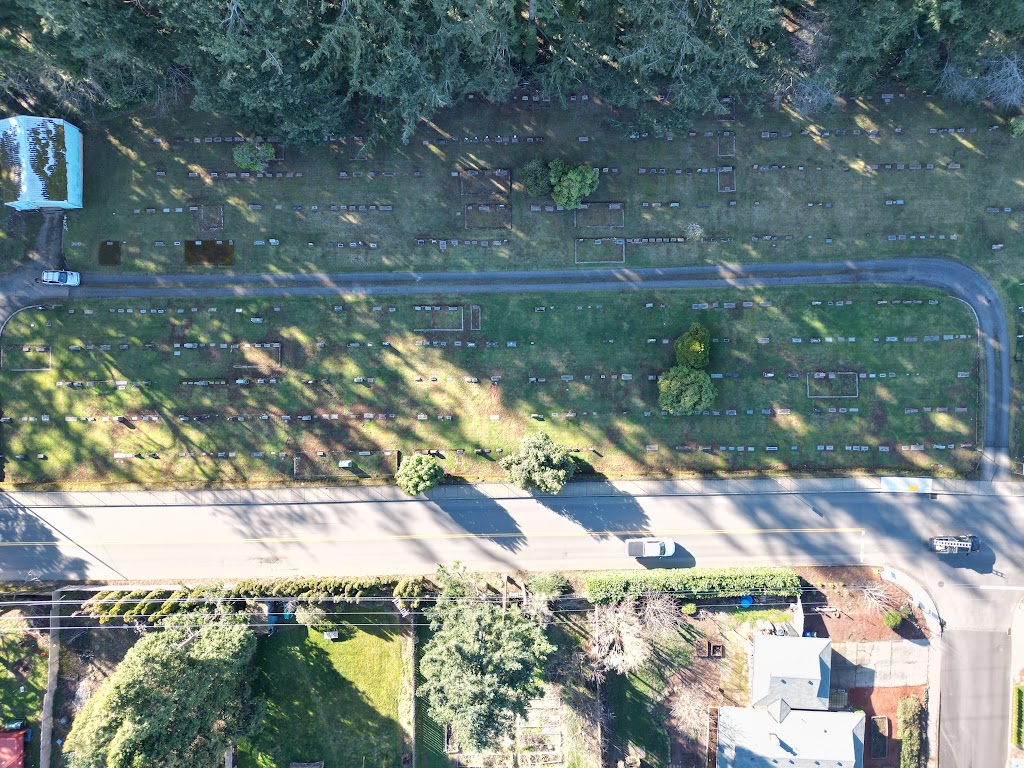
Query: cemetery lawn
{"x": 335, "y": 701}
{"x": 141, "y": 163}
{"x": 187, "y": 398}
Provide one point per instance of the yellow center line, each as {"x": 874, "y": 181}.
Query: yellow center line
{"x": 436, "y": 536}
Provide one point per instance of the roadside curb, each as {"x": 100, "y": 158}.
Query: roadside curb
{"x": 923, "y": 602}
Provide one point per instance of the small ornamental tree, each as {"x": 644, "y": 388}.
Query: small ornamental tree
{"x": 312, "y": 616}
{"x": 1017, "y": 127}
{"x": 418, "y": 473}
{"x": 683, "y": 390}
{"x": 536, "y": 177}
{"x": 540, "y": 463}
{"x": 693, "y": 348}
{"x": 570, "y": 184}
{"x": 253, "y": 157}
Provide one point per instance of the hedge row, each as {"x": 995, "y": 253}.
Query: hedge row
{"x": 157, "y": 604}
{"x": 909, "y": 722}
{"x": 317, "y": 588}
{"x": 691, "y": 583}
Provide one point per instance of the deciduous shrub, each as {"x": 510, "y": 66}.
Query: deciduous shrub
{"x": 688, "y": 609}
{"x": 909, "y": 717}
{"x": 540, "y": 463}
{"x": 570, "y": 184}
{"x": 892, "y": 619}
{"x": 683, "y": 390}
{"x": 1017, "y": 127}
{"x": 536, "y": 177}
{"x": 548, "y": 584}
{"x": 312, "y": 616}
{"x": 613, "y": 586}
{"x": 693, "y": 347}
{"x": 253, "y": 157}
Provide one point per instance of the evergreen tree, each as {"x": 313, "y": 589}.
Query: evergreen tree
{"x": 179, "y": 699}
{"x": 481, "y": 669}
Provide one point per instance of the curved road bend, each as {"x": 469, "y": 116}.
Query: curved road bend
{"x": 952, "y": 277}
{"x": 975, "y": 652}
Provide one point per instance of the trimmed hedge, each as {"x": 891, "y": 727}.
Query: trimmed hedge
{"x": 909, "y": 721}
{"x": 692, "y": 583}
{"x": 1018, "y": 715}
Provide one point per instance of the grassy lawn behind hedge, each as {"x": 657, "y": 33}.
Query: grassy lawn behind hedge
{"x": 336, "y": 701}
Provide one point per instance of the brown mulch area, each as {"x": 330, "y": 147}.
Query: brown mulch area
{"x": 883, "y": 702}
{"x": 855, "y": 619}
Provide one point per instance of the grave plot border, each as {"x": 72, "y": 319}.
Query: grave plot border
{"x": 203, "y": 219}
{"x": 728, "y": 187}
{"x": 49, "y": 354}
{"x": 499, "y": 176}
{"x": 472, "y": 208}
{"x": 587, "y": 208}
{"x": 576, "y": 250}
{"x": 462, "y": 324}
{"x": 279, "y": 349}
{"x": 732, "y": 139}
{"x": 475, "y": 317}
{"x": 856, "y": 382}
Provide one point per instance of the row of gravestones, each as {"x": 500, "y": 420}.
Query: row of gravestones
{"x": 931, "y": 236}
{"x": 644, "y": 171}
{"x": 347, "y": 175}
{"x": 445, "y": 242}
{"x": 242, "y": 174}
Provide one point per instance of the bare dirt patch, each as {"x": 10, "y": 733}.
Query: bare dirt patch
{"x": 842, "y": 603}
{"x": 210, "y": 253}
{"x": 110, "y": 253}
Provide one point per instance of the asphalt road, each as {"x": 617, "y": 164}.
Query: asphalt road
{"x": 955, "y": 278}
{"x": 104, "y": 540}
{"x": 154, "y": 537}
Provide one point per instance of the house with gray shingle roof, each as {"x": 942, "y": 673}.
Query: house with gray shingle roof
{"x": 789, "y": 723}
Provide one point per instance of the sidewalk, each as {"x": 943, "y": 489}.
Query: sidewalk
{"x": 924, "y": 603}
{"x": 371, "y": 493}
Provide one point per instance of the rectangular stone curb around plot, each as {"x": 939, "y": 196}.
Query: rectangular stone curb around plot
{"x": 615, "y": 248}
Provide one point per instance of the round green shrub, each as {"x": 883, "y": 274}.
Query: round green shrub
{"x": 1017, "y": 127}
{"x": 418, "y": 473}
{"x": 892, "y": 619}
{"x": 253, "y": 157}
{"x": 688, "y": 609}
{"x": 548, "y": 584}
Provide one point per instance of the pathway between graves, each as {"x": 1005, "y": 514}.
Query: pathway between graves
{"x": 957, "y": 279}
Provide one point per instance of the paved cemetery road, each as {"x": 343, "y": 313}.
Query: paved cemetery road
{"x": 957, "y": 279}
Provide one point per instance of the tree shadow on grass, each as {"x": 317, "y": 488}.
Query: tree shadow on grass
{"x": 313, "y": 712}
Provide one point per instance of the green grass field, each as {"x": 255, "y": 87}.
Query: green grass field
{"x": 22, "y": 684}
{"x": 385, "y": 381}
{"x": 124, "y": 158}
{"x": 335, "y": 701}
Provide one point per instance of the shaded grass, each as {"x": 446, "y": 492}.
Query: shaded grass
{"x": 335, "y": 701}
{"x": 634, "y": 701}
{"x": 22, "y": 685}
{"x": 593, "y": 337}
{"x": 125, "y": 160}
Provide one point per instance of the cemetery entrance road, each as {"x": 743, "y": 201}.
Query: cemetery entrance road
{"x": 957, "y": 279}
